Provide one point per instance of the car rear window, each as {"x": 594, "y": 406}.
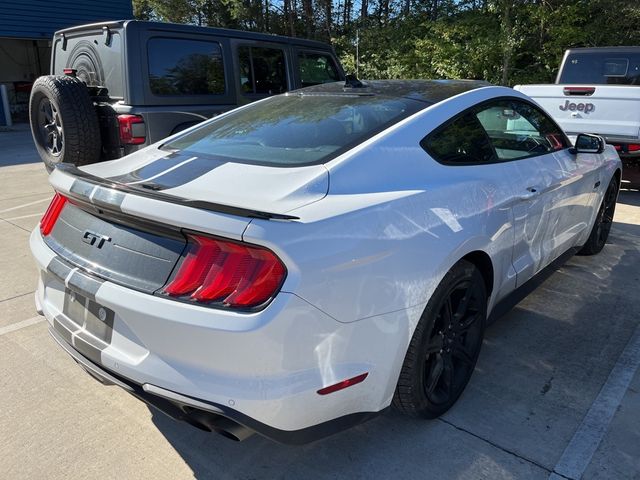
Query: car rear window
{"x": 295, "y": 129}
{"x": 601, "y": 69}
{"x": 185, "y": 67}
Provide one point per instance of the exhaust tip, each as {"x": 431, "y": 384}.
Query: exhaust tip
{"x": 210, "y": 422}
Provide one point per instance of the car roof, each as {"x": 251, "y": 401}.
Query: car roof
{"x": 622, "y": 49}
{"x": 195, "y": 29}
{"x": 427, "y": 91}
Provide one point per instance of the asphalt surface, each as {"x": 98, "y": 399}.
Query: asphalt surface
{"x": 556, "y": 393}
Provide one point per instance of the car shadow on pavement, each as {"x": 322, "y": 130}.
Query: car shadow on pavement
{"x": 541, "y": 367}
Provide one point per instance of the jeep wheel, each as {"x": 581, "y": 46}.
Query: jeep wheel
{"x": 64, "y": 123}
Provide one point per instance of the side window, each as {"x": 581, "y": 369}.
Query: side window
{"x": 185, "y": 67}
{"x": 262, "y": 70}
{"x": 317, "y": 68}
{"x": 462, "y": 141}
{"x": 518, "y": 130}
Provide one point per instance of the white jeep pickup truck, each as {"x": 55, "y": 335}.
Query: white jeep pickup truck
{"x": 597, "y": 90}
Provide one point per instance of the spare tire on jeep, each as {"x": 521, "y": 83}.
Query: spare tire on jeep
{"x": 64, "y": 122}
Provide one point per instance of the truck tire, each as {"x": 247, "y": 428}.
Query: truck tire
{"x": 64, "y": 123}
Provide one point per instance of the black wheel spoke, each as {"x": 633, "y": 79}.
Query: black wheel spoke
{"x": 435, "y": 344}
{"x": 434, "y": 374}
{"x": 448, "y": 377}
{"x": 447, "y": 311}
{"x": 463, "y": 305}
{"x": 469, "y": 322}
{"x": 461, "y": 353}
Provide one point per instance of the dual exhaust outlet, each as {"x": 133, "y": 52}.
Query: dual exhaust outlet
{"x": 211, "y": 422}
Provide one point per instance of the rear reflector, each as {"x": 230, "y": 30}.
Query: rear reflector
{"x": 343, "y": 384}
{"x": 132, "y": 129}
{"x": 232, "y": 274}
{"x": 51, "y": 215}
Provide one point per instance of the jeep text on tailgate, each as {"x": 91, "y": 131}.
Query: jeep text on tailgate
{"x": 598, "y": 91}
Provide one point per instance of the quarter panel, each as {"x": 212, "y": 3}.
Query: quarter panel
{"x": 393, "y": 223}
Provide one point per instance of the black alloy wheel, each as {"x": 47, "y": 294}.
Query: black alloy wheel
{"x": 445, "y": 346}
{"x": 454, "y": 343}
{"x": 50, "y": 126}
{"x": 604, "y": 219}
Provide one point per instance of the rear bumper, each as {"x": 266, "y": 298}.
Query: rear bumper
{"x": 261, "y": 370}
{"x": 208, "y": 415}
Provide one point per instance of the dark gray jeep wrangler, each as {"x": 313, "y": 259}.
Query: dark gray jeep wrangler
{"x": 118, "y": 86}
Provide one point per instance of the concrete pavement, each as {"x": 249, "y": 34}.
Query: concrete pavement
{"x": 540, "y": 375}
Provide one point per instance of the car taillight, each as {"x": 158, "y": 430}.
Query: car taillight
{"x": 132, "y": 129}
{"x": 233, "y": 274}
{"x": 633, "y": 147}
{"x": 51, "y": 215}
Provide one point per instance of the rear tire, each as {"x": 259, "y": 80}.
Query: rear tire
{"x": 445, "y": 346}
{"x": 64, "y": 123}
{"x": 602, "y": 226}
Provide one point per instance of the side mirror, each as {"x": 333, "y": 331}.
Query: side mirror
{"x": 587, "y": 143}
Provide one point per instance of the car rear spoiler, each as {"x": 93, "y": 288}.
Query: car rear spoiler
{"x": 85, "y": 194}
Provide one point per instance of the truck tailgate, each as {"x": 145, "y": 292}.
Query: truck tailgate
{"x": 611, "y": 111}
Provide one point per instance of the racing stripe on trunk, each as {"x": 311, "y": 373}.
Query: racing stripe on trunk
{"x": 170, "y": 172}
{"x": 97, "y": 195}
{"x": 84, "y": 284}
{"x": 75, "y": 279}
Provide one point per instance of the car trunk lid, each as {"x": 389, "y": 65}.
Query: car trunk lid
{"x": 191, "y": 179}
{"x": 128, "y": 224}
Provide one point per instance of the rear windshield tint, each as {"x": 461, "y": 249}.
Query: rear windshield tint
{"x": 601, "y": 69}
{"x": 295, "y": 129}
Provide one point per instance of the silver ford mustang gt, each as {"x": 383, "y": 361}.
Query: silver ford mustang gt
{"x": 297, "y": 265}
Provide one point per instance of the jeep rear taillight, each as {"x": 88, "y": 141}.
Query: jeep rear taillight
{"x": 132, "y": 129}
{"x": 231, "y": 274}
{"x": 51, "y": 215}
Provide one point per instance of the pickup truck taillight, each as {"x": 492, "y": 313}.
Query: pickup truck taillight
{"x": 627, "y": 148}
{"x": 232, "y": 274}
{"x": 132, "y": 129}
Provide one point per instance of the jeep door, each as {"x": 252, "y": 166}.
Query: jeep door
{"x": 262, "y": 69}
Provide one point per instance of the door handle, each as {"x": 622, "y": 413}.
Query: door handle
{"x": 532, "y": 192}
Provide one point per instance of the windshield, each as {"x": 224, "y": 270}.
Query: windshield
{"x": 295, "y": 129}
{"x": 601, "y": 69}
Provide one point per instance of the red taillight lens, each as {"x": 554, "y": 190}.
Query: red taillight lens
{"x": 132, "y": 129}
{"x": 233, "y": 274}
{"x": 51, "y": 215}
{"x": 633, "y": 147}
